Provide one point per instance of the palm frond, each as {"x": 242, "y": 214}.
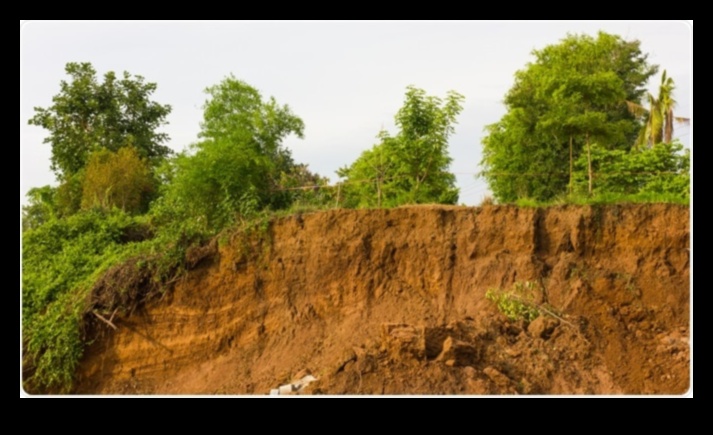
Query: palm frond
{"x": 636, "y": 109}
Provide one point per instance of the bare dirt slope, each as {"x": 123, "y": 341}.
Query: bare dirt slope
{"x": 393, "y": 302}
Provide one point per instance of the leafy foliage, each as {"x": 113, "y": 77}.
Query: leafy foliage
{"x": 518, "y": 303}
{"x": 661, "y": 169}
{"x": 411, "y": 167}
{"x": 41, "y": 207}
{"x": 69, "y": 194}
{"x": 571, "y": 95}
{"x": 65, "y": 260}
{"x": 87, "y": 116}
{"x": 59, "y": 261}
{"x": 117, "y": 179}
{"x": 659, "y": 119}
{"x": 237, "y": 168}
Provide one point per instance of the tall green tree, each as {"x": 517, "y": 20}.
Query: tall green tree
{"x": 88, "y": 115}
{"x": 571, "y": 95}
{"x": 412, "y": 166}
{"x": 237, "y": 167}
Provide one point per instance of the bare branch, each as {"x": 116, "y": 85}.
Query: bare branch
{"x": 103, "y": 319}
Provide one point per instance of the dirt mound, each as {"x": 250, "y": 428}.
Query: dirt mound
{"x": 393, "y": 302}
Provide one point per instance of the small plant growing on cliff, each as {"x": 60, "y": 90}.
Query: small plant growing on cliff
{"x": 518, "y": 303}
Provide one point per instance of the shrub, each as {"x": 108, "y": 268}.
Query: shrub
{"x": 518, "y": 303}
{"x": 117, "y": 179}
{"x": 660, "y": 170}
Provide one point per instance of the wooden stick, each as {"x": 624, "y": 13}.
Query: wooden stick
{"x": 103, "y": 319}
{"x": 113, "y": 314}
{"x": 552, "y": 314}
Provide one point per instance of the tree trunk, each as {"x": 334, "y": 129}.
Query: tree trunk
{"x": 668, "y": 126}
{"x": 378, "y": 190}
{"x": 589, "y": 165}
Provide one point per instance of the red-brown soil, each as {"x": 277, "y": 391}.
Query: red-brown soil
{"x": 393, "y": 302}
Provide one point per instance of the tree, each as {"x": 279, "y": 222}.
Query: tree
{"x": 587, "y": 98}
{"x": 369, "y": 179}
{"x": 87, "y": 116}
{"x": 41, "y": 207}
{"x": 412, "y": 166}
{"x": 237, "y": 167}
{"x": 304, "y": 188}
{"x": 117, "y": 179}
{"x": 572, "y": 94}
{"x": 659, "y": 119}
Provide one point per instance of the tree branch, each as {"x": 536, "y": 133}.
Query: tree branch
{"x": 103, "y": 319}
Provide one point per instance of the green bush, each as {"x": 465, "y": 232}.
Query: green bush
{"x": 516, "y": 304}
{"x": 60, "y": 261}
{"x": 661, "y": 171}
{"x": 117, "y": 179}
{"x": 41, "y": 207}
{"x": 66, "y": 260}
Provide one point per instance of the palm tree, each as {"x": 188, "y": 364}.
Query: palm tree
{"x": 658, "y": 126}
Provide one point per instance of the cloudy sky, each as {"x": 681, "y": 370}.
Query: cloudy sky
{"x": 346, "y": 80}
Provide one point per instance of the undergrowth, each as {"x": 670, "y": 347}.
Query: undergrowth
{"x": 517, "y": 303}
{"x": 66, "y": 264}
{"x": 79, "y": 271}
{"x": 605, "y": 199}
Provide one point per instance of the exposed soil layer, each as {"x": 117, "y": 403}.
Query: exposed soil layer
{"x": 393, "y": 302}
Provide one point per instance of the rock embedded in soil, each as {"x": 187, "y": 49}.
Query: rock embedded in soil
{"x": 497, "y": 377}
{"x": 542, "y": 327}
{"x": 458, "y": 353}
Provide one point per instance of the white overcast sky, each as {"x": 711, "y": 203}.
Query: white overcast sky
{"x": 346, "y": 80}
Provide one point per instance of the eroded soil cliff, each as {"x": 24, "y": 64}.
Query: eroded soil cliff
{"x": 393, "y": 302}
